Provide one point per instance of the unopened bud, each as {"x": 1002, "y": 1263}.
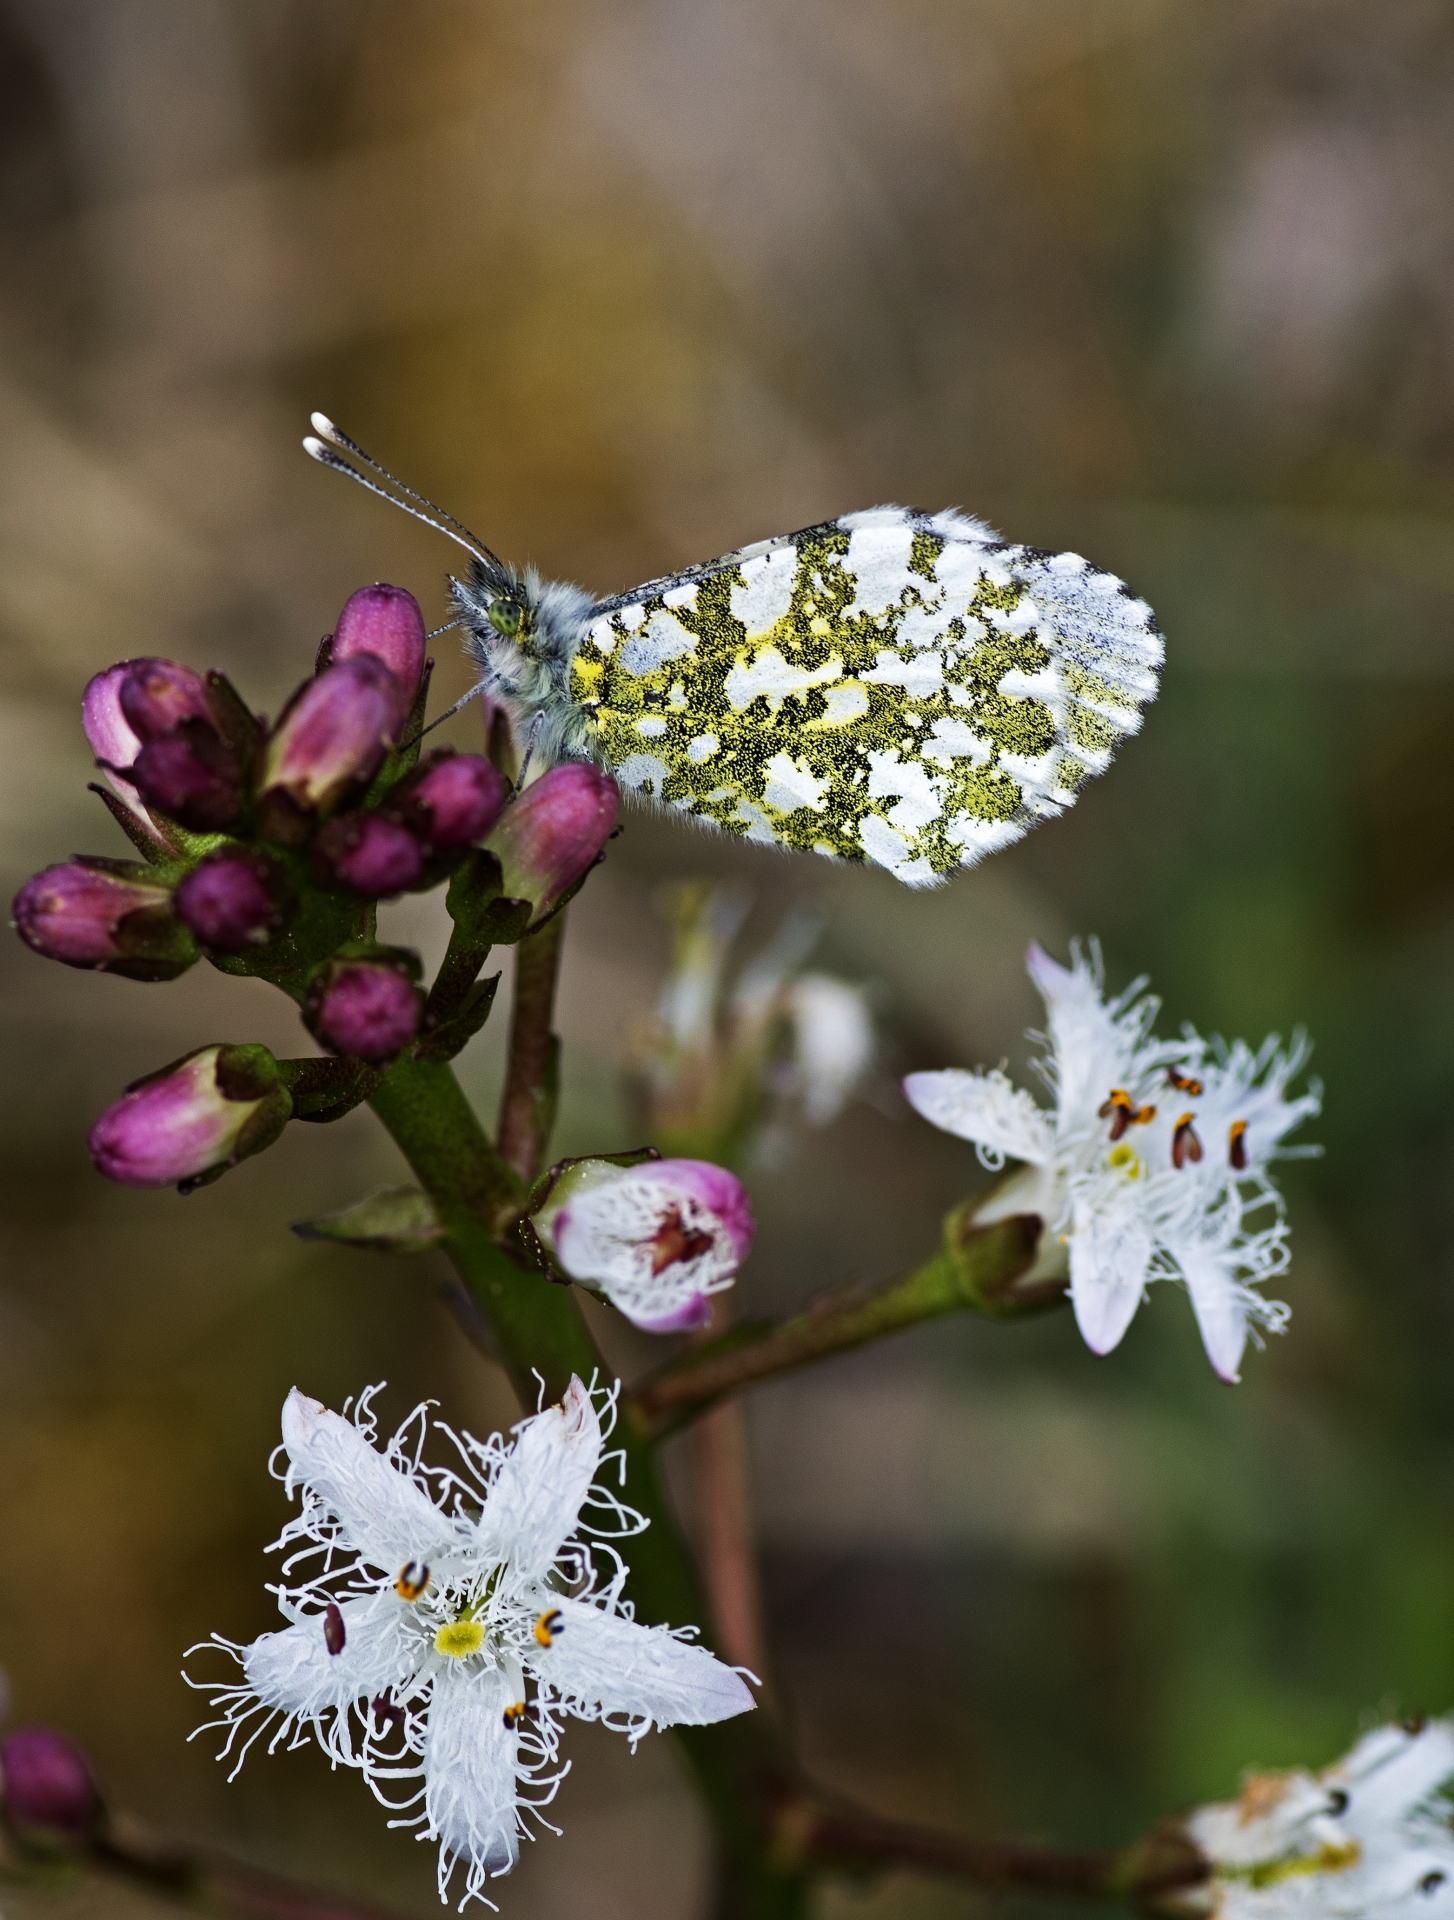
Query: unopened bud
{"x": 193, "y": 1119}
{"x": 336, "y": 732}
{"x": 552, "y": 834}
{"x": 370, "y": 853}
{"x": 369, "y": 1009}
{"x": 656, "y": 1239}
{"x": 234, "y": 900}
{"x": 452, "y": 800}
{"x": 46, "y": 1784}
{"x": 114, "y": 741}
{"x": 191, "y": 776}
{"x": 84, "y": 916}
{"x": 386, "y": 622}
{"x": 156, "y": 696}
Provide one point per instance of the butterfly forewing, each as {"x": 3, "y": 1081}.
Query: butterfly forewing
{"x": 890, "y": 686}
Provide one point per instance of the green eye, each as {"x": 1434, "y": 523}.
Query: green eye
{"x": 506, "y": 616}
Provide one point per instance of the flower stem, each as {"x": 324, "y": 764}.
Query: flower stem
{"x": 527, "y": 1105}
{"x": 976, "y": 1272}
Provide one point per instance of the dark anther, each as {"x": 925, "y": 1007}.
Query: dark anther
{"x": 413, "y": 1579}
{"x": 334, "y": 1636}
{"x": 1414, "y": 1723}
{"x": 1184, "y": 1083}
{"x": 1237, "y": 1146}
{"x": 1119, "y": 1109}
{"x": 1337, "y": 1801}
{"x": 1184, "y": 1142}
{"x": 512, "y": 1716}
{"x": 387, "y": 1712}
{"x": 1432, "y": 1880}
{"x": 674, "y": 1240}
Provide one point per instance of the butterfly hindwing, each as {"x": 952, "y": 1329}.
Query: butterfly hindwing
{"x": 890, "y": 686}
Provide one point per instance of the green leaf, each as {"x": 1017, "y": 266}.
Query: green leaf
{"x": 396, "y": 1220}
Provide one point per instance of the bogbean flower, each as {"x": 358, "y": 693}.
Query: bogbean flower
{"x": 1153, "y": 1164}
{"x": 1367, "y": 1839}
{"x": 456, "y": 1618}
{"x": 385, "y": 622}
{"x": 192, "y": 1119}
{"x": 658, "y": 1240}
{"x": 552, "y": 834}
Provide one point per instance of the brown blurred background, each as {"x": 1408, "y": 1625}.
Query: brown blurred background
{"x": 626, "y": 285}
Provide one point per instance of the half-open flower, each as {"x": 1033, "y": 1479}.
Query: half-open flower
{"x": 1153, "y": 1164}
{"x": 658, "y": 1239}
{"x": 90, "y": 916}
{"x": 193, "y": 1119}
{"x": 458, "y": 1617}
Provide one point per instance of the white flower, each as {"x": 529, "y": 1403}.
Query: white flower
{"x": 453, "y": 1619}
{"x": 1153, "y": 1164}
{"x": 833, "y": 1043}
{"x": 1368, "y": 1837}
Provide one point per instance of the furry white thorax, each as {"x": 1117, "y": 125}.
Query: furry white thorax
{"x": 529, "y": 674}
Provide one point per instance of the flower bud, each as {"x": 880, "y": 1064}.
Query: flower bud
{"x": 234, "y": 900}
{"x": 84, "y": 916}
{"x": 386, "y": 622}
{"x": 370, "y": 853}
{"x": 369, "y": 1009}
{"x": 192, "y": 1120}
{"x": 191, "y": 776}
{"x": 114, "y": 741}
{"x": 156, "y": 696}
{"x": 552, "y": 834}
{"x": 336, "y": 732}
{"x": 46, "y": 1782}
{"x": 656, "y": 1239}
{"x": 452, "y": 800}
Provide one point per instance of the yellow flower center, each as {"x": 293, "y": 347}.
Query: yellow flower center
{"x": 459, "y": 1639}
{"x": 1126, "y": 1160}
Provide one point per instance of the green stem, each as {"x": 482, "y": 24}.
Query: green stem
{"x": 527, "y": 1105}
{"x": 974, "y": 1271}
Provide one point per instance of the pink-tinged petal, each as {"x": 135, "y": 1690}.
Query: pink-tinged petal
{"x": 470, "y": 1773}
{"x": 1109, "y": 1258}
{"x": 336, "y": 733}
{"x": 537, "y": 1495}
{"x": 1049, "y": 976}
{"x": 691, "y": 1317}
{"x": 294, "y": 1671}
{"x": 112, "y": 736}
{"x": 1216, "y": 1301}
{"x": 714, "y": 1188}
{"x": 387, "y": 1517}
{"x": 156, "y": 696}
{"x": 600, "y": 1663}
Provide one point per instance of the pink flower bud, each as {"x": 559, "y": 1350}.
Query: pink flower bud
{"x": 46, "y": 1782}
{"x": 386, "y": 622}
{"x": 114, "y": 741}
{"x": 193, "y": 1119}
{"x": 452, "y": 800}
{"x": 234, "y": 900}
{"x": 370, "y": 853}
{"x": 548, "y": 838}
{"x": 190, "y": 776}
{"x": 336, "y": 732}
{"x": 656, "y": 1239}
{"x": 84, "y": 916}
{"x": 157, "y": 695}
{"x": 369, "y": 1009}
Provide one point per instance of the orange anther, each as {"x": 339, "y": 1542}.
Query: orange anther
{"x": 1184, "y": 1142}
{"x": 1237, "y": 1146}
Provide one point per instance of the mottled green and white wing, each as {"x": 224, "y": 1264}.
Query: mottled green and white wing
{"x": 892, "y": 686}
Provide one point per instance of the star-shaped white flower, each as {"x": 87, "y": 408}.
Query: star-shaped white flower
{"x": 454, "y": 1619}
{"x": 1153, "y": 1163}
{"x": 1368, "y": 1839}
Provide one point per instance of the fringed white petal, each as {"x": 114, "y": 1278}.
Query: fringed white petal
{"x": 385, "y": 1515}
{"x": 1219, "y": 1301}
{"x": 1110, "y": 1254}
{"x": 603, "y": 1665}
{"x": 471, "y": 1793}
{"x": 985, "y": 1108}
{"x": 294, "y": 1672}
{"x": 537, "y": 1494}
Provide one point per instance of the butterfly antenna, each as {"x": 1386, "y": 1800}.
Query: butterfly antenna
{"x": 458, "y": 707}
{"x": 441, "y": 521}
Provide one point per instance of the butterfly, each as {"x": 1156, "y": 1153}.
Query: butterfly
{"x": 892, "y": 686}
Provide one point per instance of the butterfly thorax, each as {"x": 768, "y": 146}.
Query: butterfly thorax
{"x": 523, "y": 633}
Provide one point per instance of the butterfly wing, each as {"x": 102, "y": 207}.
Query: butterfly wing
{"x": 891, "y": 686}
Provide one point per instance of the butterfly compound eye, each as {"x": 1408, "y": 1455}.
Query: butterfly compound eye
{"x": 506, "y": 616}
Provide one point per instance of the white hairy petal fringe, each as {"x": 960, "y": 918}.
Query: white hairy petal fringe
{"x": 606, "y": 1667}
{"x": 1002, "y": 1119}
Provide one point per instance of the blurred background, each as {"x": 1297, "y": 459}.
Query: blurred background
{"x": 1170, "y": 282}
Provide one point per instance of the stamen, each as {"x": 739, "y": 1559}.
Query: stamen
{"x": 512, "y": 1716}
{"x": 674, "y": 1240}
{"x": 460, "y": 1638}
{"x": 387, "y": 1712}
{"x": 1122, "y": 1112}
{"x": 1237, "y": 1146}
{"x": 413, "y": 1579}
{"x": 548, "y": 1626}
{"x": 1184, "y": 1083}
{"x": 335, "y": 1635}
{"x": 1184, "y": 1142}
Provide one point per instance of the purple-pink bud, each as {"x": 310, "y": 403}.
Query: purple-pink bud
{"x": 453, "y": 800}
{"x": 190, "y": 776}
{"x": 370, "y": 853}
{"x": 369, "y": 1009}
{"x": 386, "y": 622}
{"x": 204, "y": 1112}
{"x": 114, "y": 741}
{"x": 86, "y": 917}
{"x": 548, "y": 838}
{"x": 336, "y": 732}
{"x": 157, "y": 695}
{"x": 234, "y": 900}
{"x": 46, "y": 1781}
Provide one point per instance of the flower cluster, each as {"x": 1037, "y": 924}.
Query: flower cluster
{"x": 267, "y": 849}
{"x": 1367, "y": 1839}
{"x": 1153, "y": 1164}
{"x": 454, "y": 1618}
